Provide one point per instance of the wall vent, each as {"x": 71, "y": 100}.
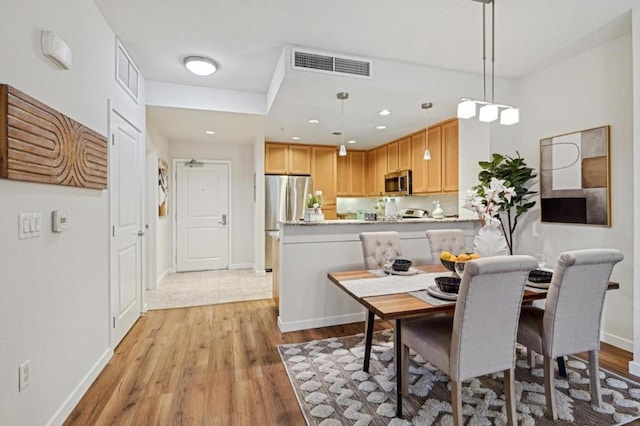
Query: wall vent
{"x": 328, "y": 63}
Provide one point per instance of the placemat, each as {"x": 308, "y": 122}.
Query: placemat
{"x": 390, "y": 284}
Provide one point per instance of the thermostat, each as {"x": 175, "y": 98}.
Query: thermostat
{"x": 58, "y": 220}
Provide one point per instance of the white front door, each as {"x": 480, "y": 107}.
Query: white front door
{"x": 125, "y": 183}
{"x": 202, "y": 207}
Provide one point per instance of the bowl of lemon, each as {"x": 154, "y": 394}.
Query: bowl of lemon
{"x": 456, "y": 263}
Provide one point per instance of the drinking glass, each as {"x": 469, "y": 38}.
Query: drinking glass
{"x": 540, "y": 258}
{"x": 389, "y": 258}
{"x": 459, "y": 267}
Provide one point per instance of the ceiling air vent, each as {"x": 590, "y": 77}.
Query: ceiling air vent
{"x": 330, "y": 64}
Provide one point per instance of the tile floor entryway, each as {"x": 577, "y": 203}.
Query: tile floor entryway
{"x": 183, "y": 289}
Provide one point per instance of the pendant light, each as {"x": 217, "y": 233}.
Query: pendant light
{"x": 489, "y": 111}
{"x": 342, "y": 96}
{"x": 426, "y": 106}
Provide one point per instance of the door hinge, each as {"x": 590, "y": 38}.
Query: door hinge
{"x": 113, "y": 231}
{"x": 113, "y": 139}
{"x": 114, "y": 322}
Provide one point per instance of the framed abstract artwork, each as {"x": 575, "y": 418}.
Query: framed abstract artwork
{"x": 575, "y": 178}
{"x": 163, "y": 187}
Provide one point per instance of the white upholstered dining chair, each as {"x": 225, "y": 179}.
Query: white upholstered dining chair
{"x": 376, "y": 248}
{"x": 480, "y": 338}
{"x": 451, "y": 240}
{"x": 570, "y": 320}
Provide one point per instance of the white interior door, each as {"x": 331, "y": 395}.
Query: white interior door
{"x": 202, "y": 207}
{"x": 125, "y": 183}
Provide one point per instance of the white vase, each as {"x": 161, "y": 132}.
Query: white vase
{"x": 313, "y": 214}
{"x": 490, "y": 241}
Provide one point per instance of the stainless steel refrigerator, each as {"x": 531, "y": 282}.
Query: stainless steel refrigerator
{"x": 284, "y": 200}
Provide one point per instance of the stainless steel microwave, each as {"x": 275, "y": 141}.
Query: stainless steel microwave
{"x": 398, "y": 183}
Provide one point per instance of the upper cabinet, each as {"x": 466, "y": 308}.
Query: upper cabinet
{"x": 450, "y": 156}
{"x": 285, "y": 159}
{"x": 399, "y": 155}
{"x": 404, "y": 153}
{"x": 351, "y": 174}
{"x": 324, "y": 177}
{"x": 440, "y": 174}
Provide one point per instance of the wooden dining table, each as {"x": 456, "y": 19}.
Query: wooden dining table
{"x": 401, "y": 306}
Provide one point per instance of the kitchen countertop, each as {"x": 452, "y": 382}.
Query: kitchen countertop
{"x": 375, "y": 222}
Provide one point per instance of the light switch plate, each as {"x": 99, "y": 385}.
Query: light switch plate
{"x": 29, "y": 225}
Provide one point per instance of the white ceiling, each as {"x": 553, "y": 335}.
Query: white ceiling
{"x": 408, "y": 42}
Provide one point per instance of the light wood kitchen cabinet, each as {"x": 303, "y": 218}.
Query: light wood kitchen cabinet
{"x": 351, "y": 174}
{"x": 450, "y": 156}
{"x": 370, "y": 174}
{"x": 381, "y": 169}
{"x": 440, "y": 174}
{"x": 392, "y": 157}
{"x": 286, "y": 159}
{"x": 404, "y": 153}
{"x": 434, "y": 166}
{"x": 419, "y": 166}
{"x": 324, "y": 175}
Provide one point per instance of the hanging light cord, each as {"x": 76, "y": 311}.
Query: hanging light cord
{"x": 484, "y": 52}
{"x": 342, "y": 121}
{"x": 493, "y": 47}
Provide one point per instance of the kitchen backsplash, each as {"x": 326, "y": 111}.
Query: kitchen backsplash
{"x": 448, "y": 202}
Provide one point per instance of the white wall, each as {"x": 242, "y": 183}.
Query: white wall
{"x": 589, "y": 90}
{"x": 241, "y": 220}
{"x": 54, "y": 308}
{"x": 163, "y": 224}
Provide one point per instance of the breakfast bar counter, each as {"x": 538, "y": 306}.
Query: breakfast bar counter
{"x": 309, "y": 250}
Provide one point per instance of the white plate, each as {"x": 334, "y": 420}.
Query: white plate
{"x": 411, "y": 271}
{"x": 436, "y": 292}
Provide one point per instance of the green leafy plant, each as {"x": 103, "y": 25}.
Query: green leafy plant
{"x": 315, "y": 200}
{"x": 504, "y": 191}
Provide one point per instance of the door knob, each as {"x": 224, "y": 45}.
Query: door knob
{"x": 140, "y": 233}
{"x": 223, "y": 222}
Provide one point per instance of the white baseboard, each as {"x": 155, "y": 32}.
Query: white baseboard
{"x": 242, "y": 266}
{"x": 72, "y": 400}
{"x": 616, "y": 341}
{"x": 634, "y": 368}
{"x": 164, "y": 274}
{"x": 320, "y": 322}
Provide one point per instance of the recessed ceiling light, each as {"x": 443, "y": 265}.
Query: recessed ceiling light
{"x": 199, "y": 65}
{"x": 351, "y": 141}
{"x": 384, "y": 112}
{"x": 381, "y": 127}
{"x": 210, "y": 132}
{"x": 313, "y": 121}
{"x": 295, "y": 138}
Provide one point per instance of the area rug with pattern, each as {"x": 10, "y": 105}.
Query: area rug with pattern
{"x": 332, "y": 389}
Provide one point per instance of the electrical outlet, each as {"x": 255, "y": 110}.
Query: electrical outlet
{"x": 24, "y": 375}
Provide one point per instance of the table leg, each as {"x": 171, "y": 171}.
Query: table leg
{"x": 398, "y": 365}
{"x": 562, "y": 371}
{"x": 368, "y": 331}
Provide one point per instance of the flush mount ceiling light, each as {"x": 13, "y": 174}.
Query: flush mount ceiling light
{"x": 381, "y": 127}
{"x": 488, "y": 110}
{"x": 199, "y": 65}
{"x": 426, "y": 106}
{"x": 351, "y": 141}
{"x": 313, "y": 121}
{"x": 295, "y": 138}
{"x": 210, "y": 132}
{"x": 342, "y": 96}
{"x": 384, "y": 112}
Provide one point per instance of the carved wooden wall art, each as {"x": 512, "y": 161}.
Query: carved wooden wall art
{"x": 39, "y": 144}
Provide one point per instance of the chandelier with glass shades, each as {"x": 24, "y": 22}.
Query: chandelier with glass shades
{"x": 489, "y": 110}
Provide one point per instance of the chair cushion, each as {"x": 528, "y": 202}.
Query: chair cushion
{"x": 431, "y": 338}
{"x": 530, "y": 328}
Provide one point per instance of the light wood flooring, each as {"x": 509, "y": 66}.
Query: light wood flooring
{"x": 213, "y": 365}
